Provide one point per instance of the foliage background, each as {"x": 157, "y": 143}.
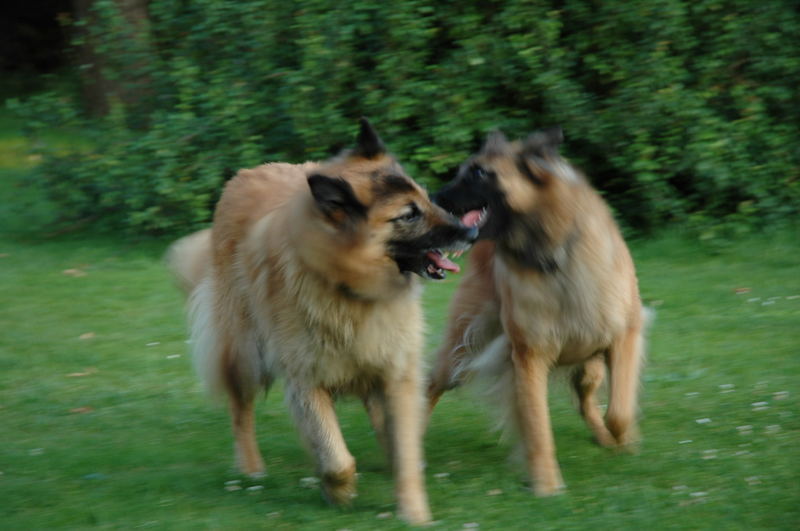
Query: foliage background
{"x": 679, "y": 111}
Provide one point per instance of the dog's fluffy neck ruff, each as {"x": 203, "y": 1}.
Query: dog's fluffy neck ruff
{"x": 539, "y": 253}
{"x": 539, "y": 241}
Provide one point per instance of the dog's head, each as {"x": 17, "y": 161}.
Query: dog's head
{"x": 506, "y": 179}
{"x": 383, "y": 223}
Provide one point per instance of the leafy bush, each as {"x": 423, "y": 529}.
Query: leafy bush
{"x": 678, "y": 111}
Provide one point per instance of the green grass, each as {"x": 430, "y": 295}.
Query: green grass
{"x": 112, "y": 431}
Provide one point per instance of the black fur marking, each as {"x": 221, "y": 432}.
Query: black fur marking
{"x": 532, "y": 258}
{"x": 524, "y": 169}
{"x": 348, "y": 292}
{"x": 528, "y": 245}
{"x": 368, "y": 144}
{"x": 335, "y": 198}
{"x": 389, "y": 185}
{"x": 474, "y": 188}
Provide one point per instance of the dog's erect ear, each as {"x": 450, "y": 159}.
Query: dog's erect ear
{"x": 496, "y": 143}
{"x": 368, "y": 144}
{"x": 544, "y": 143}
{"x": 536, "y": 172}
{"x": 335, "y": 198}
{"x": 538, "y": 153}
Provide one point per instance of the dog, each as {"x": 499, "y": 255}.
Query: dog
{"x": 310, "y": 273}
{"x": 551, "y": 283}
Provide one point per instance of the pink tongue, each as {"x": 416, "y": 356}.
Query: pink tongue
{"x": 471, "y": 218}
{"x": 442, "y": 262}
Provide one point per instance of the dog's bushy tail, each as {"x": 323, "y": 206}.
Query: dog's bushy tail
{"x": 206, "y": 354}
{"x": 189, "y": 259}
{"x": 493, "y": 376}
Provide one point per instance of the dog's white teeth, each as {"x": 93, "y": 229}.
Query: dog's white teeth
{"x": 458, "y": 254}
{"x": 446, "y": 254}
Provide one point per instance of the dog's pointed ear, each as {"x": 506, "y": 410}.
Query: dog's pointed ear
{"x": 538, "y": 153}
{"x": 336, "y": 200}
{"x": 536, "y": 170}
{"x": 544, "y": 143}
{"x": 368, "y": 144}
{"x": 496, "y": 143}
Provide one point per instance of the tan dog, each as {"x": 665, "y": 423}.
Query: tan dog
{"x": 555, "y": 285}
{"x": 308, "y": 274}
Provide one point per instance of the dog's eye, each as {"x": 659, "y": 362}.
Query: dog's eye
{"x": 411, "y": 214}
{"x": 480, "y": 173}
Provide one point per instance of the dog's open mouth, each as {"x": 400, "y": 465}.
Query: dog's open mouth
{"x": 433, "y": 263}
{"x": 429, "y": 255}
{"x": 475, "y": 217}
{"x": 439, "y": 262}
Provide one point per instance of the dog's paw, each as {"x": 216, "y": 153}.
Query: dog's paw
{"x": 416, "y": 514}
{"x": 628, "y": 441}
{"x": 339, "y": 488}
{"x": 605, "y": 439}
{"x": 549, "y": 484}
{"x": 250, "y": 463}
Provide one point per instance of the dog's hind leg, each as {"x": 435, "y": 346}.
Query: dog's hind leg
{"x": 442, "y": 376}
{"x": 450, "y": 355}
{"x": 472, "y": 323}
{"x": 248, "y": 456}
{"x": 315, "y": 416}
{"x": 375, "y": 404}
{"x": 586, "y": 380}
{"x": 242, "y": 408}
{"x": 467, "y": 337}
{"x": 624, "y": 363}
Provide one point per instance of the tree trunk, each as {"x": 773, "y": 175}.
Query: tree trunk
{"x": 98, "y": 90}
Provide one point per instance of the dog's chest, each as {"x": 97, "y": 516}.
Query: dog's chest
{"x": 558, "y": 312}
{"x": 338, "y": 345}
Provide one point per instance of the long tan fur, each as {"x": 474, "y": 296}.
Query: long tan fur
{"x": 555, "y": 286}
{"x": 301, "y": 283}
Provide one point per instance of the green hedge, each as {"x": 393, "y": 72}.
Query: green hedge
{"x": 679, "y": 111}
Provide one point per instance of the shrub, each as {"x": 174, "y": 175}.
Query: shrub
{"x": 678, "y": 111}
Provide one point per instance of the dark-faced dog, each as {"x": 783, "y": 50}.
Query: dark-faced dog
{"x": 552, "y": 284}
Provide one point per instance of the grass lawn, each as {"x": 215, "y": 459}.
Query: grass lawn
{"x": 102, "y": 423}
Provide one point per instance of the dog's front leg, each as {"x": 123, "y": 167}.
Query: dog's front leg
{"x": 315, "y": 416}
{"x": 530, "y": 380}
{"x": 404, "y": 404}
